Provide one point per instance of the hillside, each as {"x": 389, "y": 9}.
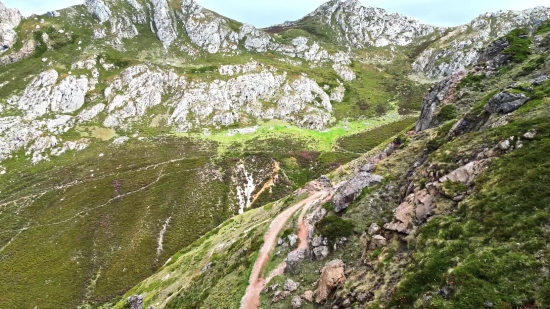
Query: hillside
{"x": 454, "y": 214}
{"x": 156, "y": 140}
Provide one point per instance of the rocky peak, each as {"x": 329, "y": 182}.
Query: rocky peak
{"x": 98, "y": 9}
{"x": 361, "y": 26}
{"x": 462, "y": 46}
{"x": 9, "y": 20}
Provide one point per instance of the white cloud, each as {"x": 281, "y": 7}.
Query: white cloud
{"x": 263, "y": 13}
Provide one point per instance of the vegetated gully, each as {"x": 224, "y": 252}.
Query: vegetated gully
{"x": 251, "y": 299}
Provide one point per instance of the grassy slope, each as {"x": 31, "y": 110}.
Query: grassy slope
{"x": 64, "y": 246}
{"x": 491, "y": 248}
{"x": 58, "y": 236}
{"x": 224, "y": 284}
{"x": 115, "y": 240}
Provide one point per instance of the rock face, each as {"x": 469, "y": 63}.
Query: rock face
{"x": 24, "y": 52}
{"x": 505, "y": 102}
{"x": 296, "y": 302}
{"x": 332, "y": 276}
{"x": 439, "y": 94}
{"x": 98, "y": 9}
{"x": 280, "y": 295}
{"x": 294, "y": 258}
{"x": 249, "y": 91}
{"x": 166, "y": 32}
{"x": 47, "y": 106}
{"x": 290, "y": 285}
{"x": 135, "y": 302}
{"x": 468, "y": 173}
{"x": 462, "y": 46}
{"x": 320, "y": 247}
{"x": 379, "y": 241}
{"x": 493, "y": 57}
{"x": 9, "y": 20}
{"x": 353, "y": 188}
{"x": 308, "y": 295}
{"x": 360, "y": 26}
{"x": 420, "y": 205}
{"x": 220, "y": 102}
{"x": 373, "y": 229}
{"x": 403, "y": 216}
{"x": 44, "y": 95}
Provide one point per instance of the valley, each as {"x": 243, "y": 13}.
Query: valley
{"x": 154, "y": 153}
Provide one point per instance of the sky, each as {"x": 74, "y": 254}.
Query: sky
{"x": 263, "y": 13}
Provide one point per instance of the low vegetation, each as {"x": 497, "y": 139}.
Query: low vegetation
{"x": 520, "y": 45}
{"x": 363, "y": 142}
{"x": 334, "y": 227}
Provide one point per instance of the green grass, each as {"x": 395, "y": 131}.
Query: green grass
{"x": 520, "y": 45}
{"x": 470, "y": 80}
{"x": 488, "y": 250}
{"x": 70, "y": 235}
{"x": 363, "y": 142}
{"x": 115, "y": 239}
{"x": 323, "y": 141}
{"x": 543, "y": 28}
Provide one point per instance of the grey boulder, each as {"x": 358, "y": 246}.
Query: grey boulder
{"x": 353, "y": 188}
{"x": 506, "y": 102}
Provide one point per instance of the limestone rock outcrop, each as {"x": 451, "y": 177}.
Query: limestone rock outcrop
{"x": 352, "y": 189}
{"x": 441, "y": 93}
{"x": 361, "y": 26}
{"x": 9, "y": 20}
{"x": 98, "y": 9}
{"x": 220, "y": 102}
{"x": 332, "y": 276}
{"x": 463, "y": 46}
{"x": 505, "y": 102}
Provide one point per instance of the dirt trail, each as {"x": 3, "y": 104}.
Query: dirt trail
{"x": 302, "y": 245}
{"x": 251, "y": 299}
{"x": 270, "y": 183}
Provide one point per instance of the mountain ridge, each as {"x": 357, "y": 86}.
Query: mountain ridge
{"x": 129, "y": 129}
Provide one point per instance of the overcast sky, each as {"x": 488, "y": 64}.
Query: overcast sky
{"x": 263, "y": 13}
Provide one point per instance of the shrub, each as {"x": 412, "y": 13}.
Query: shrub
{"x": 531, "y": 66}
{"x": 366, "y": 141}
{"x": 41, "y": 48}
{"x": 542, "y": 29}
{"x": 447, "y": 112}
{"x": 470, "y": 80}
{"x": 454, "y": 188}
{"x": 520, "y": 45}
{"x": 381, "y": 109}
{"x": 334, "y": 227}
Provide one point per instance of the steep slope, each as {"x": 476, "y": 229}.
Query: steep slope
{"x": 85, "y": 67}
{"x": 459, "y": 48}
{"x": 131, "y": 128}
{"x": 458, "y": 218}
{"x": 351, "y": 24}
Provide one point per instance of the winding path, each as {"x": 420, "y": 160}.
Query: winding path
{"x": 251, "y": 299}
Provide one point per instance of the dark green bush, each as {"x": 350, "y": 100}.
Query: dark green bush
{"x": 205, "y": 69}
{"x": 470, "y": 80}
{"x": 531, "y": 66}
{"x": 447, "y": 112}
{"x": 542, "y": 29}
{"x": 41, "y": 48}
{"x": 366, "y": 141}
{"x": 334, "y": 227}
{"x": 520, "y": 45}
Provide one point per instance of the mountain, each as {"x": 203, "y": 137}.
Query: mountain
{"x": 157, "y": 139}
{"x": 356, "y": 26}
{"x": 452, "y": 214}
